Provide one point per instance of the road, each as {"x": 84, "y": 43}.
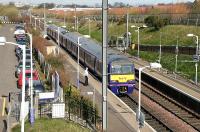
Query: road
{"x": 7, "y": 69}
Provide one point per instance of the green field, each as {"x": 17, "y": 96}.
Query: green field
{"x": 186, "y": 69}
{"x": 51, "y": 125}
{"x": 168, "y": 35}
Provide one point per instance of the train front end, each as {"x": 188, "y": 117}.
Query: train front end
{"x": 121, "y": 78}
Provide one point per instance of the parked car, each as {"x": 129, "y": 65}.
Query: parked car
{"x": 20, "y": 65}
{"x": 38, "y": 87}
{"x": 20, "y": 56}
{"x": 18, "y": 50}
{"x": 28, "y": 58}
{"x": 19, "y": 27}
{"x": 27, "y": 75}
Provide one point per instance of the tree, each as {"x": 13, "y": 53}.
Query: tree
{"x": 47, "y": 5}
{"x": 119, "y": 4}
{"x": 11, "y": 4}
{"x": 195, "y": 6}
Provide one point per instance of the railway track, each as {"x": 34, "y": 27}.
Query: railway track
{"x": 180, "y": 111}
{"x": 149, "y": 117}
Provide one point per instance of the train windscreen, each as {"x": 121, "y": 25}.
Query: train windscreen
{"x": 121, "y": 69}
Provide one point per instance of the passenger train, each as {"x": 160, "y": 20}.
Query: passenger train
{"x": 121, "y": 72}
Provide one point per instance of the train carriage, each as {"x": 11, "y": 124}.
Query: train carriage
{"x": 121, "y": 75}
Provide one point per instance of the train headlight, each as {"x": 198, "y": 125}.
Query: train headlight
{"x": 113, "y": 81}
{"x": 130, "y": 81}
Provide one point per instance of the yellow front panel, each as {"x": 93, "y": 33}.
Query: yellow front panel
{"x": 122, "y": 78}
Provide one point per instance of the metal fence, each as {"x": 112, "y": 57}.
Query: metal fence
{"x": 76, "y": 110}
{"x": 188, "y": 50}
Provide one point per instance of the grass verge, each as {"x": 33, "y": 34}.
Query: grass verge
{"x": 51, "y": 125}
{"x": 186, "y": 69}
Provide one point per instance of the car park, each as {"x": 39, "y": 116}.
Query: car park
{"x": 28, "y": 59}
{"x": 20, "y": 65}
{"x": 19, "y": 54}
{"x": 27, "y": 75}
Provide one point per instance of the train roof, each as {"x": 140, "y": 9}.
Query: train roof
{"x": 90, "y": 45}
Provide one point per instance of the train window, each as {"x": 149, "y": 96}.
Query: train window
{"x": 127, "y": 69}
{"x": 121, "y": 69}
{"x": 116, "y": 69}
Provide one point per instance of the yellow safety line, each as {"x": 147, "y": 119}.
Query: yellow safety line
{"x": 4, "y": 105}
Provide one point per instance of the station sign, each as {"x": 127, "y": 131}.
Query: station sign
{"x": 196, "y": 57}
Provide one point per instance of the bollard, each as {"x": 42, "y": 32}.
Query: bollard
{"x": 32, "y": 116}
{"x": 4, "y": 105}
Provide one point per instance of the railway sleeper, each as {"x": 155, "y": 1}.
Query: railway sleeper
{"x": 193, "y": 121}
{"x": 188, "y": 115}
{"x": 163, "y": 129}
{"x": 185, "y": 116}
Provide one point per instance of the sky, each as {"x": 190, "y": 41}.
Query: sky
{"x": 93, "y": 2}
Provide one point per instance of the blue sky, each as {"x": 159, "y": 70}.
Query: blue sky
{"x": 93, "y": 2}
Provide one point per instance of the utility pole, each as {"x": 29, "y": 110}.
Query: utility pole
{"x": 104, "y": 56}
{"x": 176, "y": 63}
{"x": 45, "y": 31}
{"x": 160, "y": 52}
{"x": 75, "y": 26}
{"x": 127, "y": 34}
{"x": 30, "y": 16}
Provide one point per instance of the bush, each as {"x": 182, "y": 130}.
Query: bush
{"x": 55, "y": 61}
{"x": 121, "y": 21}
{"x": 10, "y": 11}
{"x": 99, "y": 25}
{"x": 156, "y": 22}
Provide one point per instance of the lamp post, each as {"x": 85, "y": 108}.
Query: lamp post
{"x": 197, "y": 55}
{"x": 152, "y": 65}
{"x": 84, "y": 36}
{"x": 75, "y": 23}
{"x": 88, "y": 25}
{"x": 39, "y": 24}
{"x": 138, "y": 30}
{"x": 104, "y": 62}
{"x": 64, "y": 19}
{"x": 58, "y": 39}
{"x": 160, "y": 53}
{"x": 35, "y": 22}
{"x": 127, "y": 33}
{"x": 176, "y": 63}
{"x": 30, "y": 15}
{"x": 23, "y": 47}
{"x": 32, "y": 111}
{"x": 45, "y": 24}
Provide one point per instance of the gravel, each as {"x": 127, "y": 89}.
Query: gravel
{"x": 168, "y": 118}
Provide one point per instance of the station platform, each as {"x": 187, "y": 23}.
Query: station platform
{"x": 120, "y": 116}
{"x": 175, "y": 81}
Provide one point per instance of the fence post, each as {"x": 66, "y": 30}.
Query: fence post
{"x": 36, "y": 106}
{"x": 95, "y": 123}
{"x": 80, "y": 114}
{"x": 40, "y": 110}
{"x": 69, "y": 100}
